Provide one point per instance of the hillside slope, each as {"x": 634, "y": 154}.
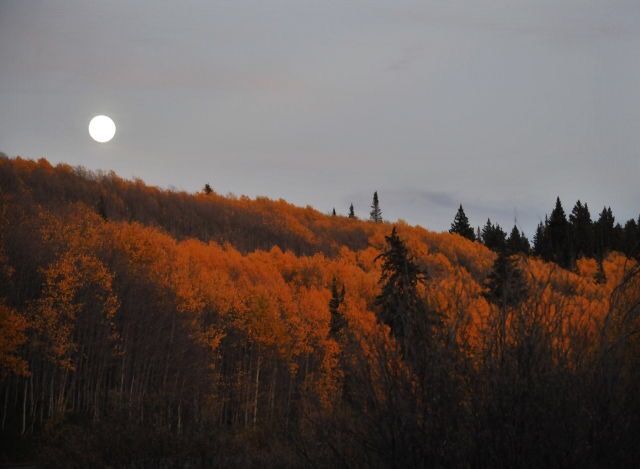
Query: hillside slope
{"x": 172, "y": 317}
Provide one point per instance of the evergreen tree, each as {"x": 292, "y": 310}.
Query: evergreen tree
{"x": 581, "y": 230}
{"x": 338, "y": 321}
{"x": 461, "y": 225}
{"x": 207, "y": 189}
{"x": 631, "y": 238}
{"x": 506, "y": 285}
{"x": 352, "y": 214}
{"x": 604, "y": 232}
{"x": 400, "y": 305}
{"x": 376, "y": 213}
{"x": 558, "y": 231}
{"x": 333, "y": 212}
{"x": 540, "y": 240}
{"x": 541, "y": 245}
{"x": 493, "y": 236}
{"x": 517, "y": 242}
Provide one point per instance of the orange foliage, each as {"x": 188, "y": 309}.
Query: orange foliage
{"x": 190, "y": 292}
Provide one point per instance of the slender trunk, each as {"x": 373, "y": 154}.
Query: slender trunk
{"x": 24, "y": 408}
{"x": 247, "y": 392}
{"x": 255, "y": 398}
{"x": 4, "y": 406}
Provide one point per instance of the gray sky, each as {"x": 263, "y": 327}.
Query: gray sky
{"x": 500, "y": 105}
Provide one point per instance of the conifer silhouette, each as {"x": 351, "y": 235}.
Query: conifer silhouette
{"x": 376, "y": 214}
{"x": 461, "y": 225}
{"x": 352, "y": 214}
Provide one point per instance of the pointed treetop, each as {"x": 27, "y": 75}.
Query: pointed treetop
{"x": 493, "y": 236}
{"x": 376, "y": 213}
{"x": 352, "y": 214}
{"x": 558, "y": 216}
{"x": 517, "y": 242}
{"x": 461, "y": 225}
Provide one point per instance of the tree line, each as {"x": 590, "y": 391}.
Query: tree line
{"x": 558, "y": 238}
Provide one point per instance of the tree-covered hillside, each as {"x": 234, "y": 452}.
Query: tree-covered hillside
{"x": 144, "y": 327}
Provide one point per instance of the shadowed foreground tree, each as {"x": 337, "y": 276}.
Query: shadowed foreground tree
{"x": 506, "y": 285}
{"x": 400, "y": 306}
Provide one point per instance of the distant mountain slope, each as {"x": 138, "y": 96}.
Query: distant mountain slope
{"x": 247, "y": 224}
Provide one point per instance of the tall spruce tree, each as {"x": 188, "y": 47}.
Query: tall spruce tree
{"x": 559, "y": 240}
{"x": 207, "y": 189}
{"x": 376, "y": 214}
{"x": 541, "y": 246}
{"x": 461, "y": 225}
{"x": 333, "y": 212}
{"x": 581, "y": 230}
{"x": 400, "y": 305}
{"x": 352, "y": 213}
{"x": 604, "y": 232}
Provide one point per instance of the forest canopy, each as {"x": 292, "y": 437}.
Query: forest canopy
{"x": 141, "y": 324}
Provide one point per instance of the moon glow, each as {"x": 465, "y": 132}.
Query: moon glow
{"x": 102, "y": 128}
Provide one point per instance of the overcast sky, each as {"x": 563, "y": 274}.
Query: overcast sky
{"x": 499, "y": 105}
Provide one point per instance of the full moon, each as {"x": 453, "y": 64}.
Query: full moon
{"x": 102, "y": 129}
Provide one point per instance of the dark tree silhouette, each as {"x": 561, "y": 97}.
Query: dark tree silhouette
{"x": 631, "y": 238}
{"x": 581, "y": 230}
{"x": 333, "y": 212}
{"x": 539, "y": 240}
{"x": 493, "y": 236}
{"x": 352, "y": 213}
{"x": 461, "y": 225}
{"x": 376, "y": 214}
{"x": 207, "y": 189}
{"x": 604, "y": 232}
{"x": 558, "y": 232}
{"x": 400, "y": 306}
{"x": 517, "y": 242}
